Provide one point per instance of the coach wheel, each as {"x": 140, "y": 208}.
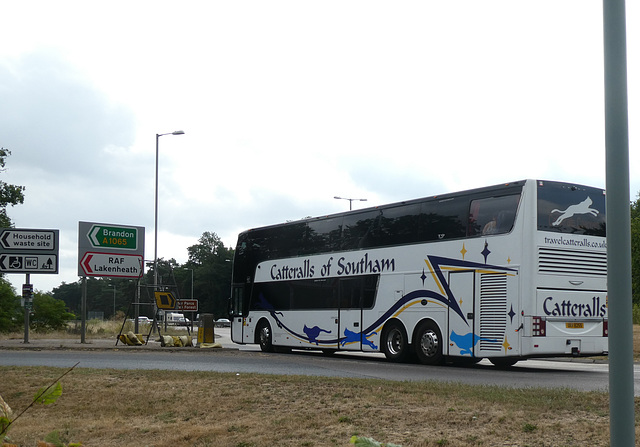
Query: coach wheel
{"x": 428, "y": 344}
{"x": 394, "y": 342}
{"x": 264, "y": 337}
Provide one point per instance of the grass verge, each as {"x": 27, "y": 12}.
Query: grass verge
{"x": 158, "y": 408}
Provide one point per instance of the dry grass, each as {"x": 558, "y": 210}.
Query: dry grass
{"x": 155, "y": 408}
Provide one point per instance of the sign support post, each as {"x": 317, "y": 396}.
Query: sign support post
{"x": 27, "y": 295}
{"x": 83, "y": 309}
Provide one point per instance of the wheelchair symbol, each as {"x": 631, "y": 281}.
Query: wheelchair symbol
{"x": 15, "y": 262}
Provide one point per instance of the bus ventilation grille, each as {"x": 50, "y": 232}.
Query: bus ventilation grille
{"x": 493, "y": 310}
{"x": 569, "y": 262}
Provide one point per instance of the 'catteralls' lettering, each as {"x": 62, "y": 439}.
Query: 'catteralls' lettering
{"x": 567, "y": 308}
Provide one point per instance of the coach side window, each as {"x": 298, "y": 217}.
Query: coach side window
{"x": 494, "y": 215}
{"x": 444, "y": 219}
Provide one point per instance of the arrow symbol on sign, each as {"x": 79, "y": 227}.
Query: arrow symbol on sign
{"x": 4, "y": 239}
{"x": 165, "y": 300}
{"x": 92, "y": 236}
{"x": 85, "y": 264}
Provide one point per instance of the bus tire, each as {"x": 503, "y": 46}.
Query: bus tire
{"x": 428, "y": 344}
{"x": 394, "y": 342}
{"x": 502, "y": 362}
{"x": 265, "y": 336}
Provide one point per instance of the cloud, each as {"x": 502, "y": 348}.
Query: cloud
{"x": 55, "y": 121}
{"x": 69, "y": 146}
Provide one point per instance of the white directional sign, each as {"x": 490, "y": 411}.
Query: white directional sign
{"x": 28, "y": 263}
{"x": 26, "y": 239}
{"x": 110, "y": 264}
{"x": 26, "y": 250}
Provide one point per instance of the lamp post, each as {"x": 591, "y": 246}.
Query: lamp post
{"x": 350, "y": 200}
{"x": 155, "y": 231}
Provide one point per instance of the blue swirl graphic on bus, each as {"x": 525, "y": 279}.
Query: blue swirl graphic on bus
{"x": 349, "y": 337}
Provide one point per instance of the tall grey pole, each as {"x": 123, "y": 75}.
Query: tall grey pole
{"x": 83, "y": 310}
{"x": 621, "y": 402}
{"x": 155, "y": 230}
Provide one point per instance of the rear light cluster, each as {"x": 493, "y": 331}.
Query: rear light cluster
{"x": 605, "y": 328}
{"x": 539, "y": 327}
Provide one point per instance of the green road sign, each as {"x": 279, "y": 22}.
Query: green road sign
{"x": 114, "y": 237}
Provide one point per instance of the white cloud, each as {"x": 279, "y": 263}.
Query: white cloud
{"x": 286, "y": 104}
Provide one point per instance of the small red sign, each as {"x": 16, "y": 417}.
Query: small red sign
{"x": 187, "y": 305}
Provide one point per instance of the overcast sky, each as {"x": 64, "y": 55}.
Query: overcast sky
{"x": 286, "y": 104}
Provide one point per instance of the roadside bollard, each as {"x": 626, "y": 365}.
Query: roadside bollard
{"x": 206, "y": 332}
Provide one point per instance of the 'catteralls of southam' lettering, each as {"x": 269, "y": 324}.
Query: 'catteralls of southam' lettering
{"x": 328, "y": 267}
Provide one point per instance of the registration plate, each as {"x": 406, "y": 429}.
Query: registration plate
{"x": 575, "y": 325}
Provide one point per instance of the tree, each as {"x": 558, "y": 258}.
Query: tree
{"x": 210, "y": 261}
{"x": 71, "y": 294}
{"x": 49, "y": 313}
{"x": 11, "y": 315}
{"x": 9, "y": 194}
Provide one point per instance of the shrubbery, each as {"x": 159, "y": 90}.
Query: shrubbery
{"x": 11, "y": 315}
{"x": 49, "y": 314}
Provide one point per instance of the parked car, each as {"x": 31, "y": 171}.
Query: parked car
{"x": 141, "y": 320}
{"x": 177, "y": 319}
{"x": 223, "y": 322}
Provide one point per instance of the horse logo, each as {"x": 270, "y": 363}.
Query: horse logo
{"x": 583, "y": 207}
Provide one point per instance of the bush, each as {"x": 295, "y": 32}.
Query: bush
{"x": 49, "y": 314}
{"x": 11, "y": 314}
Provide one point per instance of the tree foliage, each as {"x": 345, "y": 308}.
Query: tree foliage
{"x": 9, "y": 194}
{"x": 11, "y": 315}
{"x": 49, "y": 313}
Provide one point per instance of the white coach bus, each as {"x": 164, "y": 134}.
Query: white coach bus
{"x": 507, "y": 272}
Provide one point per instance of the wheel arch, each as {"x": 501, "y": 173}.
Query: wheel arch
{"x": 392, "y": 322}
{"x": 259, "y": 323}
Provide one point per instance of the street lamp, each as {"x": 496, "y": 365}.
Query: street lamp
{"x": 155, "y": 232}
{"x": 350, "y": 200}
